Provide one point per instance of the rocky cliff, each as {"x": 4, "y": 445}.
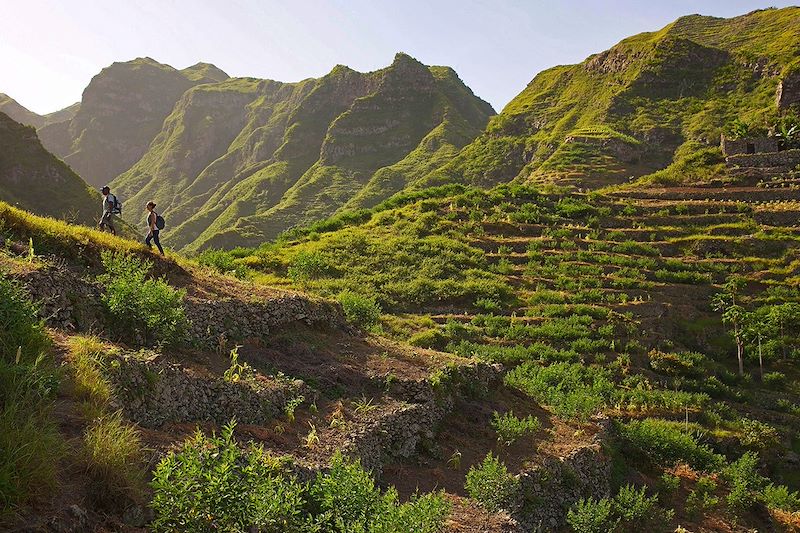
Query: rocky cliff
{"x": 122, "y": 110}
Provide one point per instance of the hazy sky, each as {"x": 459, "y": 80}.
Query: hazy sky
{"x": 50, "y": 49}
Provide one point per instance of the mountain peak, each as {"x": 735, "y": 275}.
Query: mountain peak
{"x": 206, "y": 72}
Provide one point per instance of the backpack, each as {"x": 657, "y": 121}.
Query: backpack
{"x": 160, "y": 223}
{"x": 116, "y": 207}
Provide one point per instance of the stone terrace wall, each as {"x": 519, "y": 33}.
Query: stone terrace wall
{"x": 151, "y": 391}
{"x": 786, "y": 158}
{"x": 72, "y": 302}
{"x": 396, "y": 434}
{"x": 235, "y": 319}
{"x": 547, "y": 491}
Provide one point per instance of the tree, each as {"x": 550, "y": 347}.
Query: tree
{"x": 734, "y": 315}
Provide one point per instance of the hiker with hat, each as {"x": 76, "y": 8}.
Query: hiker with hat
{"x": 111, "y": 207}
{"x": 155, "y": 223}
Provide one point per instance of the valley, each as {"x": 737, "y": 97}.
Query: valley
{"x": 386, "y": 308}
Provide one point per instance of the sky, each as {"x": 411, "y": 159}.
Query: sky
{"x": 50, "y": 49}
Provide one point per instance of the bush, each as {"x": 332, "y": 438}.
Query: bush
{"x": 509, "y": 428}
{"x": 573, "y": 390}
{"x": 744, "y": 481}
{"x": 774, "y": 380}
{"x": 20, "y": 329}
{"x": 687, "y": 364}
{"x": 666, "y": 443}
{"x": 348, "y": 500}
{"x": 779, "y": 497}
{"x": 491, "y": 484}
{"x": 757, "y": 435}
{"x": 629, "y": 510}
{"x": 114, "y": 461}
{"x": 140, "y": 306}
{"x": 212, "y": 484}
{"x": 360, "y": 310}
{"x": 702, "y": 497}
{"x": 638, "y": 512}
{"x": 592, "y": 516}
{"x": 310, "y": 265}
{"x": 224, "y": 262}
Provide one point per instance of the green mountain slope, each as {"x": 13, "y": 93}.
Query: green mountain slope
{"x": 121, "y": 112}
{"x": 242, "y": 160}
{"x": 625, "y": 111}
{"x": 34, "y": 179}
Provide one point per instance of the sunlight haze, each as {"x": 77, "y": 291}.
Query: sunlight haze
{"x": 49, "y": 50}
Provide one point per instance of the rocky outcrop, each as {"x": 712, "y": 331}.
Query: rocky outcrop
{"x": 788, "y": 92}
{"x": 121, "y": 112}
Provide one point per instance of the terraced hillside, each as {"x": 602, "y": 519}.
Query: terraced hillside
{"x": 615, "y": 303}
{"x": 108, "y": 397}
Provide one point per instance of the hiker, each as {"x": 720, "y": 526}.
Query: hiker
{"x": 155, "y": 223}
{"x": 110, "y": 207}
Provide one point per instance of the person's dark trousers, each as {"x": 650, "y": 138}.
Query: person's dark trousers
{"x": 153, "y": 236}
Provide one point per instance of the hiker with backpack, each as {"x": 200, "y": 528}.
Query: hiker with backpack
{"x": 155, "y": 223}
{"x": 111, "y": 207}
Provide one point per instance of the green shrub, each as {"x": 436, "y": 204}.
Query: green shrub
{"x": 629, "y": 510}
{"x": 636, "y": 511}
{"x": 20, "y": 329}
{"x": 774, "y": 380}
{"x": 592, "y": 516}
{"x": 362, "y": 311}
{"x": 702, "y": 498}
{"x": 487, "y": 305}
{"x": 491, "y": 484}
{"x": 779, "y": 497}
{"x": 509, "y": 428}
{"x": 667, "y": 443}
{"x": 571, "y": 389}
{"x": 224, "y": 262}
{"x": 744, "y": 482}
{"x": 687, "y": 364}
{"x": 310, "y": 265}
{"x": 212, "y": 484}
{"x": 757, "y": 435}
{"x": 348, "y": 500}
{"x": 141, "y": 306}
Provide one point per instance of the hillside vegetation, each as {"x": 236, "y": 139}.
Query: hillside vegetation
{"x": 632, "y": 306}
{"x": 240, "y": 161}
{"x": 624, "y": 112}
{"x": 34, "y": 179}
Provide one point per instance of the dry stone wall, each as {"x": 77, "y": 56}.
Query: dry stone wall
{"x": 151, "y": 392}
{"x": 70, "y": 301}
{"x": 786, "y": 158}
{"x": 549, "y": 490}
{"x": 396, "y": 433}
